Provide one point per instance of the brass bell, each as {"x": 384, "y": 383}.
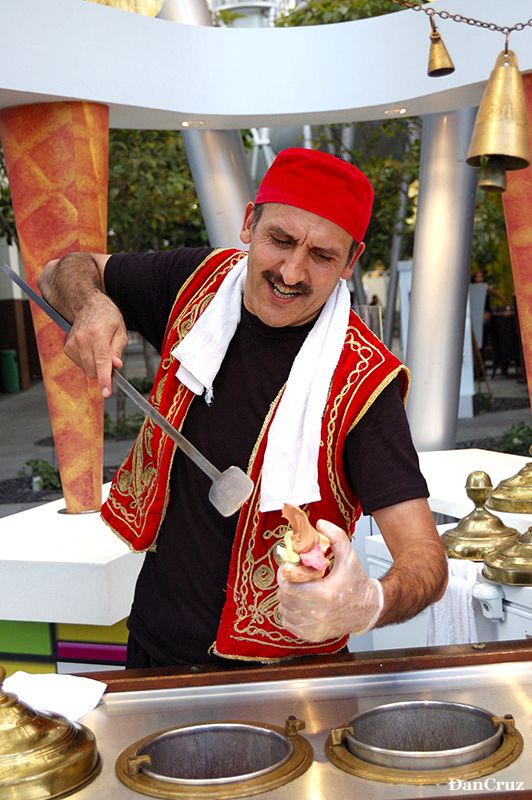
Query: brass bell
{"x": 479, "y": 532}
{"x": 500, "y": 136}
{"x": 514, "y": 494}
{"x": 492, "y": 174}
{"x": 440, "y": 62}
{"x": 42, "y": 756}
{"x": 511, "y": 564}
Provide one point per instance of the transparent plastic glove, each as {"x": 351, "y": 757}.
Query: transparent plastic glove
{"x": 344, "y": 601}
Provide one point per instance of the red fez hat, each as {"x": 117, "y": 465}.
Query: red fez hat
{"x": 321, "y": 183}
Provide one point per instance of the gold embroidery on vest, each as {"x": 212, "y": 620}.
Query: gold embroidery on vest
{"x": 256, "y": 598}
{"x": 221, "y": 270}
{"x": 148, "y": 437}
{"x": 265, "y": 424}
{"x": 254, "y": 607}
{"x": 156, "y": 396}
{"x": 182, "y": 396}
{"x": 257, "y": 604}
{"x": 135, "y": 483}
{"x": 186, "y": 320}
{"x": 389, "y": 378}
{"x": 366, "y": 353}
{"x": 264, "y": 576}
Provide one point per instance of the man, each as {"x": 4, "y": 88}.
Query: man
{"x": 263, "y": 365}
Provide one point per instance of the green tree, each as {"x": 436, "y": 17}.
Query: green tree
{"x": 324, "y": 12}
{"x": 152, "y": 200}
{"x": 490, "y": 243}
{"x": 388, "y": 152}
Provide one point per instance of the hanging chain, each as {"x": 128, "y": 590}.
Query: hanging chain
{"x": 478, "y": 23}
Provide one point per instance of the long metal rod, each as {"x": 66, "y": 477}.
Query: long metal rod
{"x": 395, "y": 251}
{"x": 121, "y": 383}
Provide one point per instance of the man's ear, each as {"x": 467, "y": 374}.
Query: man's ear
{"x": 245, "y": 231}
{"x": 348, "y": 271}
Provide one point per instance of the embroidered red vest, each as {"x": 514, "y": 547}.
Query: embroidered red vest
{"x": 250, "y": 627}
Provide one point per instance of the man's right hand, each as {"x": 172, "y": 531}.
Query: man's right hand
{"x": 97, "y": 340}
{"x": 74, "y": 286}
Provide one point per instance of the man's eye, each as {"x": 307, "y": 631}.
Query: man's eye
{"x": 280, "y": 242}
{"x": 323, "y": 257}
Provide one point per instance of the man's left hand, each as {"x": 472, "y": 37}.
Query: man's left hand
{"x": 344, "y": 601}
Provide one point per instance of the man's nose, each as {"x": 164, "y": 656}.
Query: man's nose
{"x": 293, "y": 269}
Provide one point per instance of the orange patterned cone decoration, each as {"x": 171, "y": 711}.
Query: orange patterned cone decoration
{"x": 517, "y": 202}
{"x": 56, "y": 156}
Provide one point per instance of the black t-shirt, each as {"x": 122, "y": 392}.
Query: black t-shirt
{"x": 181, "y": 588}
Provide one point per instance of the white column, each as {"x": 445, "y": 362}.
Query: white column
{"x": 440, "y": 278}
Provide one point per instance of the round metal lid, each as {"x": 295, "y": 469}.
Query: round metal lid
{"x": 512, "y": 563}
{"x": 42, "y": 755}
{"x": 480, "y": 531}
{"x": 514, "y": 494}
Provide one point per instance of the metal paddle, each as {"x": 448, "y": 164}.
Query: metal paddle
{"x": 230, "y": 488}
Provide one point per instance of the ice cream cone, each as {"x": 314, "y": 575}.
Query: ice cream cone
{"x": 517, "y": 201}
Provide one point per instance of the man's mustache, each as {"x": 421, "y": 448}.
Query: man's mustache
{"x": 275, "y": 277}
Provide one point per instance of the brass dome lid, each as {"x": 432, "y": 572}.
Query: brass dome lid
{"x": 480, "y": 531}
{"x": 512, "y": 563}
{"x": 42, "y": 755}
{"x": 514, "y": 494}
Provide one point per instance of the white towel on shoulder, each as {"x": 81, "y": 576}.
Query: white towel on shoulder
{"x": 290, "y": 470}
{"x": 203, "y": 349}
{"x": 452, "y": 619}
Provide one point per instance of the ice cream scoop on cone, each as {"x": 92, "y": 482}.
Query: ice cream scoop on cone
{"x": 303, "y": 549}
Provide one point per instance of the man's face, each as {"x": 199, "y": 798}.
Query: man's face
{"x": 295, "y": 261}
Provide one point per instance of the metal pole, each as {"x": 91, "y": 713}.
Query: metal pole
{"x": 360, "y": 295}
{"x": 395, "y": 252}
{"x": 219, "y": 168}
{"x": 307, "y": 136}
{"x": 440, "y": 278}
{"x": 188, "y": 12}
{"x": 217, "y": 159}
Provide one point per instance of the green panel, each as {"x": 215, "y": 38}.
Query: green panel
{"x": 31, "y": 638}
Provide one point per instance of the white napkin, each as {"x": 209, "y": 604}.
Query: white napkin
{"x": 290, "y": 471}
{"x": 452, "y": 619}
{"x": 68, "y": 695}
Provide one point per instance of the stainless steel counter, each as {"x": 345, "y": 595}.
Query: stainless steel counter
{"x": 324, "y": 703}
